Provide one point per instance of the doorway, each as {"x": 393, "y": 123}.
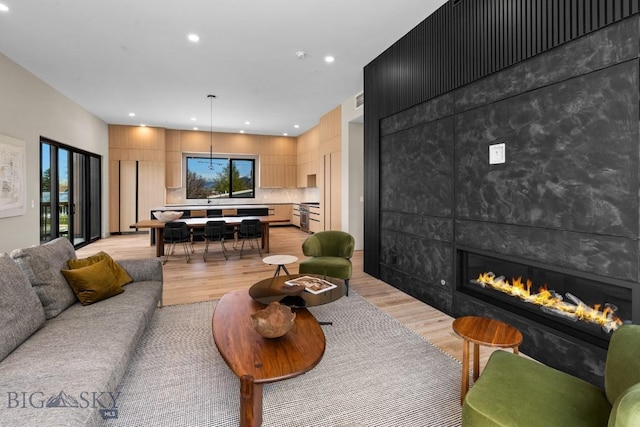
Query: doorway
{"x": 70, "y": 194}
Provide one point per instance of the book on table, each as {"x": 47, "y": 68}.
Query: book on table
{"x": 315, "y": 285}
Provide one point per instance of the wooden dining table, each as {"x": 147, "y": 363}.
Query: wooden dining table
{"x": 158, "y": 226}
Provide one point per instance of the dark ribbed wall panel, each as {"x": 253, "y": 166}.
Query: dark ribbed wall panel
{"x": 493, "y": 34}
{"x": 462, "y": 42}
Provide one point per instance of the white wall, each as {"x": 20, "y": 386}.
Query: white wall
{"x": 353, "y": 170}
{"x": 29, "y": 109}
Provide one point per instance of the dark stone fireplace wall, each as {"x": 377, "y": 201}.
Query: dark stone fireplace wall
{"x": 567, "y": 195}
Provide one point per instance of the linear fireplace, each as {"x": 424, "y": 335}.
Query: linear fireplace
{"x": 583, "y": 306}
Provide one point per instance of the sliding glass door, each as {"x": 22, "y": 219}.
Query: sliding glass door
{"x": 70, "y": 194}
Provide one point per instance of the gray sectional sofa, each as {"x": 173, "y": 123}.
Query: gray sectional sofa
{"x": 61, "y": 361}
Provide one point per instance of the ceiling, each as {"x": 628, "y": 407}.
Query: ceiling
{"x": 118, "y": 57}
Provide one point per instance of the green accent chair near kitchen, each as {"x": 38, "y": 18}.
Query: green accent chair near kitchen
{"x": 330, "y": 253}
{"x": 515, "y": 391}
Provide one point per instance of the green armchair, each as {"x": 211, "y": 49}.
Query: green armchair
{"x": 515, "y": 391}
{"x": 330, "y": 253}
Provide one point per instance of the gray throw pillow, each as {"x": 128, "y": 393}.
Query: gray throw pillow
{"x": 43, "y": 265}
{"x": 21, "y": 313}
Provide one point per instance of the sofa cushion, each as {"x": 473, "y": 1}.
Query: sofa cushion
{"x": 79, "y": 358}
{"x": 21, "y": 313}
{"x": 337, "y": 267}
{"x": 93, "y": 283}
{"x": 86, "y": 349}
{"x": 120, "y": 273}
{"x": 516, "y": 391}
{"x": 42, "y": 265}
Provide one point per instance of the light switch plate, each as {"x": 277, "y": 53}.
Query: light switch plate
{"x": 497, "y": 154}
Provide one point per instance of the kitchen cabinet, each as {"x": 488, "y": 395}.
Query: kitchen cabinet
{"x": 295, "y": 214}
{"x": 280, "y": 211}
{"x": 173, "y": 159}
{"x": 332, "y": 191}
{"x": 134, "y": 185}
{"x": 330, "y": 178}
{"x": 308, "y": 157}
{"x": 278, "y": 164}
{"x": 315, "y": 224}
{"x": 277, "y": 176}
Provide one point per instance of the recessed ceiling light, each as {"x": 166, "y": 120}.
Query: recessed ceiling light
{"x": 4, "y": 8}
{"x": 193, "y": 38}
{"x": 247, "y": 122}
{"x": 142, "y": 125}
{"x": 329, "y": 59}
{"x": 296, "y": 126}
{"x": 132, "y": 114}
{"x": 241, "y": 131}
{"x": 195, "y": 128}
{"x": 285, "y": 134}
{"x": 193, "y": 119}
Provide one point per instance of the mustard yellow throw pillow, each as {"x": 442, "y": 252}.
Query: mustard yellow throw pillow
{"x": 120, "y": 273}
{"x": 93, "y": 283}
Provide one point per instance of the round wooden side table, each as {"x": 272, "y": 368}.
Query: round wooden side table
{"x": 280, "y": 261}
{"x": 482, "y": 331}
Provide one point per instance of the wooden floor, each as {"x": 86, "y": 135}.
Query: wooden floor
{"x": 200, "y": 281}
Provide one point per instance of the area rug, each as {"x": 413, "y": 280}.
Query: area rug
{"x": 375, "y": 372}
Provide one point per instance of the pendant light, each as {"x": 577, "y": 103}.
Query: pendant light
{"x": 211, "y": 134}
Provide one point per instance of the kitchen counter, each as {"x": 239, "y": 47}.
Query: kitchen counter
{"x": 210, "y": 206}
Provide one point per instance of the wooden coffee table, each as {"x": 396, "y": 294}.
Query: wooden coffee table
{"x": 257, "y": 360}
{"x": 482, "y": 331}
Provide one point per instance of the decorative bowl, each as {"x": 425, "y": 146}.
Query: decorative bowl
{"x": 166, "y": 216}
{"x": 273, "y": 321}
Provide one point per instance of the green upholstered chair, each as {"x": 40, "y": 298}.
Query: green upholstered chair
{"x": 330, "y": 253}
{"x": 515, "y": 391}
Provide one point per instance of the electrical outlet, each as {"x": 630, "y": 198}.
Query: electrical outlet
{"x": 497, "y": 154}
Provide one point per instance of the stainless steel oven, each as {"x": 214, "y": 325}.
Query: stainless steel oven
{"x": 304, "y": 217}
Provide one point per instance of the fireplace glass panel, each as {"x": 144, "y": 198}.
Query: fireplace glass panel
{"x": 573, "y": 299}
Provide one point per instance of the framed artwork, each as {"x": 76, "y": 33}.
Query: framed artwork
{"x": 13, "y": 172}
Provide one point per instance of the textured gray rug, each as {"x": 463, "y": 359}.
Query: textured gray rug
{"x": 375, "y": 372}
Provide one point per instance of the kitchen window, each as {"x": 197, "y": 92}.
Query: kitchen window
{"x": 220, "y": 178}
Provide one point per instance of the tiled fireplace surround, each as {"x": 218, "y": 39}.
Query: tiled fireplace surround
{"x": 567, "y": 196}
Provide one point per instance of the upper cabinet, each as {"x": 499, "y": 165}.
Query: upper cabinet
{"x": 173, "y": 162}
{"x": 278, "y": 163}
{"x": 308, "y": 153}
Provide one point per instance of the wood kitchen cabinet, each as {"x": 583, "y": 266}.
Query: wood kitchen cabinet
{"x": 295, "y": 214}
{"x": 282, "y": 211}
{"x": 315, "y": 224}
{"x": 308, "y": 156}
{"x": 136, "y": 174}
{"x": 135, "y": 188}
{"x": 278, "y": 176}
{"x": 173, "y": 159}
{"x": 331, "y": 170}
{"x": 278, "y": 164}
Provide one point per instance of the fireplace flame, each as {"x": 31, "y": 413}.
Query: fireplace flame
{"x": 572, "y": 308}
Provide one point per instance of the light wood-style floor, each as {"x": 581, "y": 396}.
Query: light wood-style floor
{"x": 200, "y": 281}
